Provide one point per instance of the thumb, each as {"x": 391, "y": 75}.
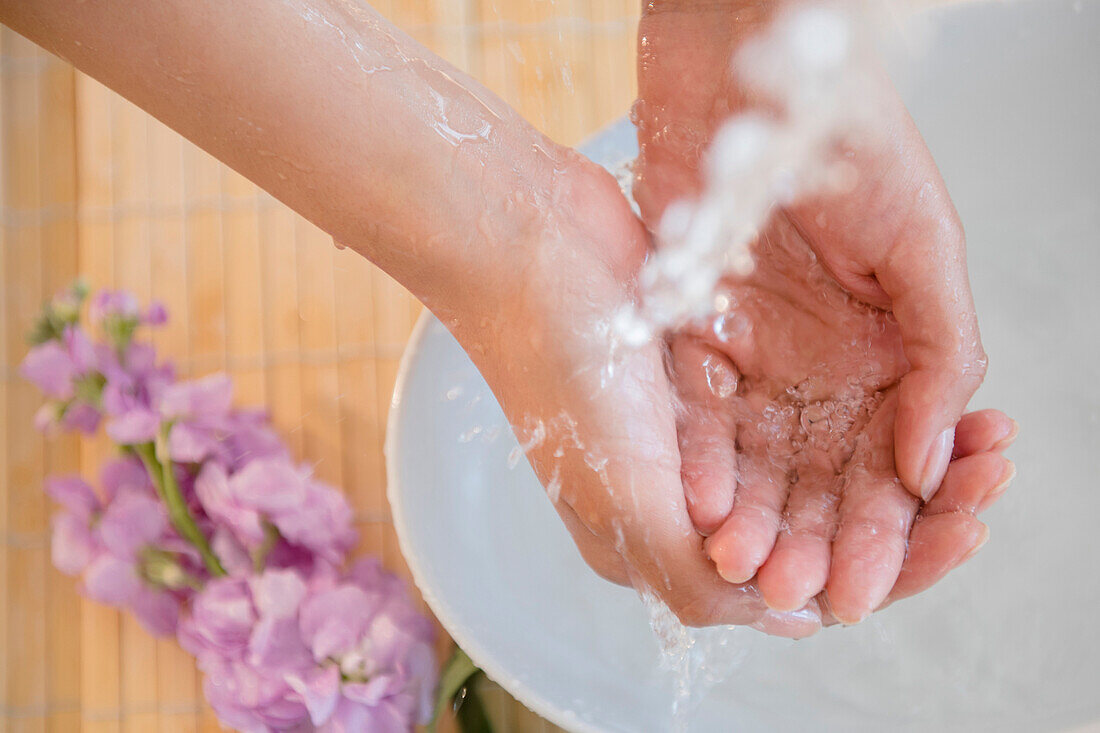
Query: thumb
{"x": 921, "y": 277}
{"x": 896, "y": 242}
{"x": 926, "y": 281}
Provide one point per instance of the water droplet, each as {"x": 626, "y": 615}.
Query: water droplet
{"x": 721, "y": 378}
{"x": 729, "y": 326}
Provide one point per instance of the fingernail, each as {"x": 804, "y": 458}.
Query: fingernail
{"x": 1006, "y": 477}
{"x": 935, "y": 465}
{"x": 1000, "y": 488}
{"x": 1005, "y": 442}
{"x": 977, "y": 546}
{"x": 730, "y": 576}
{"x": 842, "y": 619}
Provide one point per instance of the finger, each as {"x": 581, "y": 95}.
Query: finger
{"x": 741, "y": 545}
{"x": 940, "y": 542}
{"x": 643, "y": 515}
{"x": 897, "y": 243}
{"x": 798, "y": 567}
{"x": 937, "y": 545}
{"x": 925, "y": 277}
{"x": 791, "y": 624}
{"x": 946, "y": 534}
{"x": 984, "y": 430}
{"x": 666, "y": 557}
{"x": 706, "y": 381}
{"x": 674, "y": 566}
{"x": 971, "y": 481}
{"x": 876, "y": 513}
{"x": 941, "y": 341}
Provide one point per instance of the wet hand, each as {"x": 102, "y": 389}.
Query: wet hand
{"x": 786, "y": 430}
{"x": 596, "y": 419}
{"x": 824, "y": 408}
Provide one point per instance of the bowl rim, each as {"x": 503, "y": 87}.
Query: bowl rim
{"x": 482, "y": 657}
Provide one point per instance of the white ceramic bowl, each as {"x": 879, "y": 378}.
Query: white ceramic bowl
{"x": 1008, "y": 98}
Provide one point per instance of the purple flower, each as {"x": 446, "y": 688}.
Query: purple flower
{"x": 305, "y": 512}
{"x": 209, "y": 397}
{"x": 323, "y": 523}
{"x": 251, "y": 700}
{"x": 119, "y": 305}
{"x": 221, "y": 620}
{"x": 233, "y": 555}
{"x": 276, "y": 642}
{"x": 129, "y": 526}
{"x": 156, "y": 315}
{"x": 383, "y": 647}
{"x": 115, "y": 582}
{"x": 107, "y": 304}
{"x": 56, "y": 365}
{"x": 286, "y": 640}
{"x": 221, "y": 504}
{"x": 244, "y": 633}
{"x": 199, "y": 412}
{"x": 249, "y": 438}
{"x": 73, "y": 545}
{"x": 134, "y": 426}
{"x": 133, "y": 385}
{"x": 345, "y": 653}
{"x": 131, "y": 522}
{"x": 81, "y": 416}
{"x": 124, "y": 475}
{"x": 74, "y": 495}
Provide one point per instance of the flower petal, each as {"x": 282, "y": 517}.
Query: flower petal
{"x": 320, "y": 691}
{"x": 51, "y": 369}
{"x": 135, "y": 426}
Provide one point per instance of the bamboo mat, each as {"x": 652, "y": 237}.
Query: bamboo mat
{"x": 91, "y": 185}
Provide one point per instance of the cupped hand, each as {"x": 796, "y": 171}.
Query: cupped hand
{"x": 598, "y": 422}
{"x": 822, "y": 407}
{"x": 893, "y": 239}
{"x": 787, "y": 434}
{"x": 596, "y": 417}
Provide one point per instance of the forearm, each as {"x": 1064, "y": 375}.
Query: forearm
{"x": 328, "y": 107}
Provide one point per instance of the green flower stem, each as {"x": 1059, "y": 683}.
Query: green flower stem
{"x": 164, "y": 479}
{"x": 259, "y": 555}
{"x": 152, "y": 467}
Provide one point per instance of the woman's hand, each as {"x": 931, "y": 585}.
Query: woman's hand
{"x": 596, "y": 417}
{"x": 793, "y": 394}
{"x": 839, "y": 376}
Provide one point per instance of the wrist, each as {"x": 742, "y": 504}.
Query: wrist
{"x": 554, "y": 216}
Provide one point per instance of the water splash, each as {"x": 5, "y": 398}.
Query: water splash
{"x": 814, "y": 65}
{"x": 695, "y": 659}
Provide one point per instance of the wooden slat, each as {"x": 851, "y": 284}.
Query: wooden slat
{"x": 26, "y": 692}
{"x": 61, "y": 454}
{"x": 100, "y": 650}
{"x": 244, "y": 301}
{"x": 283, "y": 399}
{"x": 6, "y": 661}
{"x": 176, "y": 678}
{"x": 317, "y": 339}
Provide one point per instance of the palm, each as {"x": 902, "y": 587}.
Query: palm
{"x": 808, "y": 428}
